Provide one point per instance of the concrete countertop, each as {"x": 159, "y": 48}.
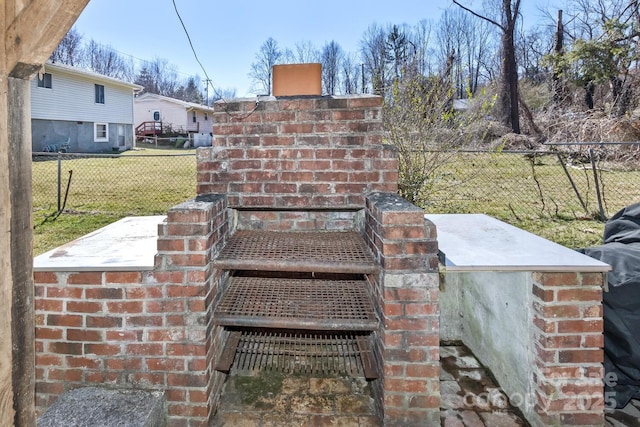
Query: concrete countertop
{"x": 129, "y": 244}
{"x": 477, "y": 242}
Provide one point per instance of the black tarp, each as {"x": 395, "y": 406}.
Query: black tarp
{"x": 621, "y": 250}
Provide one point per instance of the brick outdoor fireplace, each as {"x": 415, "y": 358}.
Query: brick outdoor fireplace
{"x": 297, "y": 227}
{"x": 318, "y": 165}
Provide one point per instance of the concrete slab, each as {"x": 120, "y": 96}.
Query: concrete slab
{"x": 129, "y": 244}
{"x": 477, "y": 242}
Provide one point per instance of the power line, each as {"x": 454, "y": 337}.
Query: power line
{"x": 184, "y": 27}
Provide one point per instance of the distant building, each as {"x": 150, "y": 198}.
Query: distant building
{"x": 76, "y": 110}
{"x": 157, "y": 114}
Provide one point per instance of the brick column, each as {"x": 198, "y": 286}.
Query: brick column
{"x": 139, "y": 329}
{"x": 193, "y": 233}
{"x": 405, "y": 245}
{"x": 568, "y": 354}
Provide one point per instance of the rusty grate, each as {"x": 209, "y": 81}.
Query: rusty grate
{"x": 315, "y": 304}
{"x": 300, "y": 353}
{"x": 310, "y": 251}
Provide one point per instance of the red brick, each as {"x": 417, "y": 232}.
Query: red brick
{"x": 48, "y": 360}
{"x": 102, "y": 349}
{"x": 45, "y": 277}
{"x": 165, "y": 306}
{"x": 592, "y": 341}
{"x": 187, "y": 410}
{"x": 72, "y": 320}
{"x": 560, "y": 341}
{"x": 168, "y": 276}
{"x": 103, "y": 322}
{"x": 579, "y": 295}
{"x": 84, "y": 335}
{"x": 165, "y": 364}
{"x": 124, "y": 307}
{"x": 404, "y": 385}
{"x": 558, "y": 311}
{"x": 556, "y": 279}
{"x": 123, "y": 277}
{"x": 104, "y": 293}
{"x": 175, "y": 395}
{"x": 170, "y": 245}
{"x": 576, "y": 326}
{"x": 187, "y": 380}
{"x": 64, "y": 347}
{"x": 67, "y": 292}
{"x": 83, "y": 362}
{"x": 393, "y": 309}
{"x": 84, "y": 307}
{"x": 581, "y": 356}
{"x": 584, "y": 418}
{"x": 42, "y": 304}
{"x": 145, "y": 349}
{"x": 419, "y": 309}
{"x": 87, "y": 278}
{"x": 124, "y": 335}
{"x": 197, "y": 364}
{"x": 194, "y": 260}
{"x": 185, "y": 350}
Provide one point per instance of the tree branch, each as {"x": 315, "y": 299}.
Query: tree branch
{"x": 477, "y": 15}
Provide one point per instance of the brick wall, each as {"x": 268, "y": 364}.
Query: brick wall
{"x": 304, "y": 153}
{"x": 568, "y": 355}
{"x": 143, "y": 329}
{"x": 407, "y": 294}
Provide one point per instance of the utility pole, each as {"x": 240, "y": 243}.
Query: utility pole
{"x": 206, "y": 90}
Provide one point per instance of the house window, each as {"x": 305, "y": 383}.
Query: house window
{"x": 156, "y": 116}
{"x": 101, "y": 132}
{"x": 206, "y": 116}
{"x": 99, "y": 94}
{"x": 195, "y": 119}
{"x": 45, "y": 81}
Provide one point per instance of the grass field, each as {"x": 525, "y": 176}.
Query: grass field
{"x": 539, "y": 199}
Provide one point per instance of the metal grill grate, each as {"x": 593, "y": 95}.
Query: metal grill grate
{"x": 312, "y": 251}
{"x": 297, "y": 303}
{"x": 303, "y": 353}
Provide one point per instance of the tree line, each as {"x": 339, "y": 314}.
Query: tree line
{"x": 157, "y": 75}
{"x": 589, "y": 47}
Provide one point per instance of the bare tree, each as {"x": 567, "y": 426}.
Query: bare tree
{"x": 331, "y": 59}
{"x": 104, "y": 59}
{"x": 69, "y": 51}
{"x": 303, "y": 53}
{"x": 351, "y": 74}
{"x": 373, "y": 48}
{"x": 262, "y": 68}
{"x": 508, "y": 94}
{"x": 160, "y": 77}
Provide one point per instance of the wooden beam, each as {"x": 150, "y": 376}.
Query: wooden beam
{"x": 22, "y": 318}
{"x": 6, "y": 276}
{"x": 30, "y": 30}
{"x": 36, "y": 31}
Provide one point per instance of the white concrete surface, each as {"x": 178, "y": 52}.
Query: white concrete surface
{"x": 128, "y": 244}
{"x": 477, "y": 242}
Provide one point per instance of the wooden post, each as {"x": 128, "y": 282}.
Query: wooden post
{"x": 29, "y": 31}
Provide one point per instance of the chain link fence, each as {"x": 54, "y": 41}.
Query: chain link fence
{"x": 570, "y": 181}
{"x": 581, "y": 183}
{"x": 121, "y": 185}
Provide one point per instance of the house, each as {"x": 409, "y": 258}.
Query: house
{"x": 156, "y": 114}
{"x": 80, "y": 111}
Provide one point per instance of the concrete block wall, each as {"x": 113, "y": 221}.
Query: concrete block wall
{"x": 568, "y": 336}
{"x": 139, "y": 329}
{"x": 297, "y": 153}
{"x": 407, "y": 294}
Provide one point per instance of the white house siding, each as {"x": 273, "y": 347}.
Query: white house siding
{"x": 174, "y": 113}
{"x": 171, "y": 114}
{"x": 72, "y": 98}
{"x": 67, "y": 112}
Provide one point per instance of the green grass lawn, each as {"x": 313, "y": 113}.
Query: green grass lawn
{"x": 103, "y": 190}
{"x": 539, "y": 199}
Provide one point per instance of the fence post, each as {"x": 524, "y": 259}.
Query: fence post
{"x": 595, "y": 179}
{"x": 155, "y": 137}
{"x": 59, "y": 178}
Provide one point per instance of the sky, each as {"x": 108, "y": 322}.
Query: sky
{"x": 227, "y": 35}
